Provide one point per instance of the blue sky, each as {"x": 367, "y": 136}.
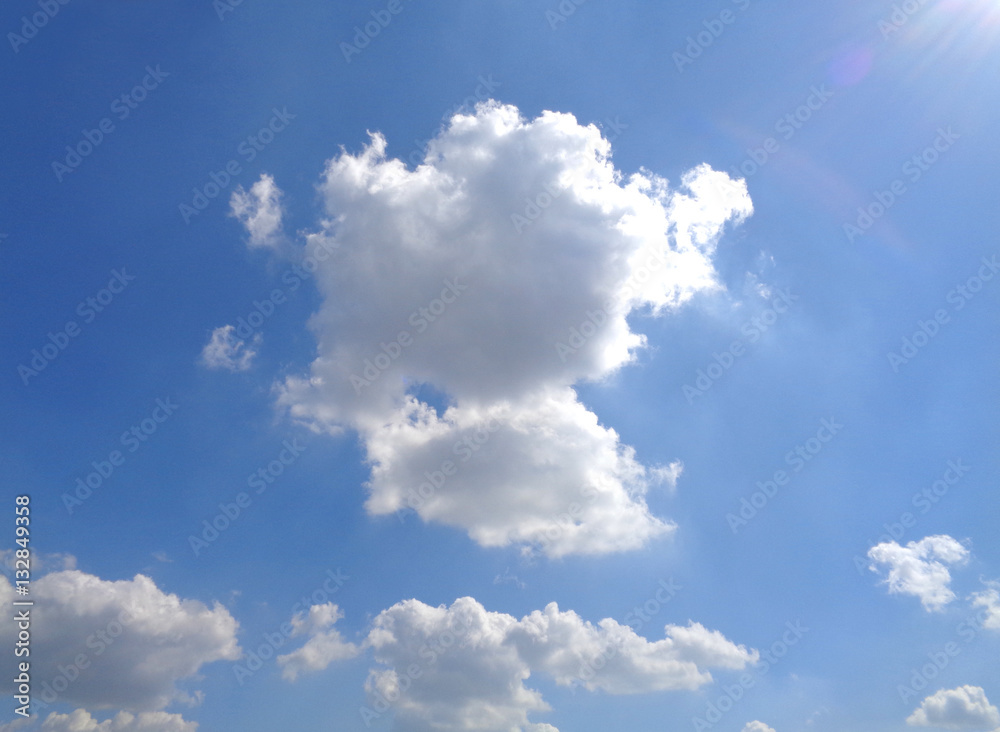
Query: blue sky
{"x": 810, "y": 189}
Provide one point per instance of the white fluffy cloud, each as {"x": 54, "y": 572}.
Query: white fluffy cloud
{"x": 757, "y": 727}
{"x": 121, "y": 644}
{"x": 499, "y": 273}
{"x": 464, "y": 668}
{"x": 963, "y": 708}
{"x": 259, "y": 211}
{"x": 226, "y": 351}
{"x": 920, "y": 568}
{"x": 81, "y": 721}
{"x": 989, "y": 600}
{"x": 325, "y": 644}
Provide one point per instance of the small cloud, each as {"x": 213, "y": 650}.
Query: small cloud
{"x": 40, "y": 563}
{"x": 507, "y": 577}
{"x": 259, "y": 211}
{"x": 753, "y": 285}
{"x": 226, "y": 351}
{"x": 325, "y": 644}
{"x": 919, "y": 568}
{"x": 963, "y": 708}
{"x": 816, "y": 715}
{"x": 667, "y": 474}
{"x": 990, "y": 600}
{"x": 161, "y": 556}
{"x": 757, "y": 727}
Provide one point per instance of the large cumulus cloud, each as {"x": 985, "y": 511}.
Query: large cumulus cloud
{"x": 498, "y": 274}
{"x": 114, "y": 644}
{"x": 464, "y": 668}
